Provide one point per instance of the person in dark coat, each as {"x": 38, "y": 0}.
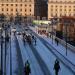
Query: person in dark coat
{"x": 56, "y": 41}
{"x": 56, "y": 67}
{"x": 35, "y": 40}
{"x": 32, "y": 36}
{"x": 27, "y": 69}
{"x": 7, "y": 38}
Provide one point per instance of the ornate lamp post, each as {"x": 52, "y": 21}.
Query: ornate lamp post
{"x": 52, "y": 22}
{"x": 1, "y": 52}
{"x": 66, "y": 24}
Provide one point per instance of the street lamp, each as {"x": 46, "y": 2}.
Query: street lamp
{"x": 1, "y": 52}
{"x": 52, "y": 22}
{"x": 66, "y": 22}
{"x": 5, "y": 48}
{"x": 10, "y": 54}
{"x": 66, "y": 37}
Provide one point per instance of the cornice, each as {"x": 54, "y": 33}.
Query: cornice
{"x": 56, "y": 2}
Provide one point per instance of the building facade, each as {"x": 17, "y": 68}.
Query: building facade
{"x": 41, "y": 9}
{"x": 23, "y": 7}
{"x": 58, "y": 8}
{"x": 12, "y": 7}
{"x": 66, "y": 28}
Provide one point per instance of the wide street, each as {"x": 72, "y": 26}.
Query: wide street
{"x": 39, "y": 51}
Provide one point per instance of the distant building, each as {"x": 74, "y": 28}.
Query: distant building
{"x": 59, "y": 8}
{"x": 66, "y": 28}
{"x": 31, "y": 8}
{"x": 12, "y": 7}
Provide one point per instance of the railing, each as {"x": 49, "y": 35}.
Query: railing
{"x": 69, "y": 46}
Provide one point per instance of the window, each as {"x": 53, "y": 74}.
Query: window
{"x": 20, "y": 4}
{"x": 56, "y": 14}
{"x": 6, "y": 4}
{"x": 11, "y": 9}
{"x": 30, "y": 14}
{"x": 73, "y": 9}
{"x": 16, "y": 9}
{"x": 74, "y": 6}
{"x": 7, "y": 9}
{"x": 69, "y": 9}
{"x": 16, "y": 5}
{"x": 11, "y": 13}
{"x": 51, "y": 5}
{"x": 25, "y": 10}
{"x": 56, "y": 6}
{"x": 51, "y": 9}
{"x": 60, "y": 6}
{"x": 64, "y": 9}
{"x": 2, "y": 4}
{"x": 69, "y": 6}
{"x": 60, "y": 15}
{"x": 30, "y": 10}
{"x": 65, "y": 6}
{"x": 7, "y": 13}
{"x": 11, "y": 4}
{"x": 20, "y": 9}
{"x": 25, "y": 5}
{"x": 55, "y": 9}
{"x": 2, "y": 9}
{"x": 30, "y": 5}
{"x": 25, "y": 14}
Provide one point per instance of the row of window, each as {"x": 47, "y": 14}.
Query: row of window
{"x": 63, "y": 1}
{"x": 15, "y": 9}
{"x": 62, "y": 10}
{"x": 61, "y": 15}
{"x": 16, "y": 13}
{"x": 17, "y": 0}
{"x": 15, "y": 5}
{"x": 62, "y": 6}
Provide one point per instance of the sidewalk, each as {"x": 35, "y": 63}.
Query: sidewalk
{"x": 60, "y": 48}
{"x": 27, "y": 54}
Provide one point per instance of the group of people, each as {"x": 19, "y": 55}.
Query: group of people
{"x": 27, "y": 69}
{"x": 6, "y": 38}
{"x": 29, "y": 38}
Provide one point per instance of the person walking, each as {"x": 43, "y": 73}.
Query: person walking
{"x": 27, "y": 69}
{"x": 56, "y": 41}
{"x": 56, "y": 67}
{"x": 35, "y": 41}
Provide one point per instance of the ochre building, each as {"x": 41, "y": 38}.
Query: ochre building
{"x": 23, "y": 7}
{"x": 58, "y": 8}
{"x": 12, "y": 7}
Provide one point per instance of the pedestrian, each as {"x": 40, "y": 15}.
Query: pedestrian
{"x": 50, "y": 35}
{"x": 7, "y": 38}
{"x": 35, "y": 40}
{"x": 56, "y": 41}
{"x": 32, "y": 36}
{"x": 56, "y": 67}
{"x": 27, "y": 69}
